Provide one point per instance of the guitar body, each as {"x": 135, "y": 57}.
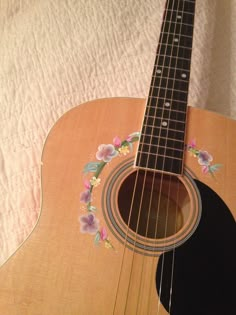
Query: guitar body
{"x": 60, "y": 271}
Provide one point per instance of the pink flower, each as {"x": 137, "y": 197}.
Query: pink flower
{"x": 85, "y": 196}
{"x": 87, "y": 184}
{"x": 106, "y": 152}
{"x": 117, "y": 141}
{"x": 103, "y": 234}
{"x": 205, "y": 169}
{"x": 192, "y": 144}
{"x": 89, "y": 223}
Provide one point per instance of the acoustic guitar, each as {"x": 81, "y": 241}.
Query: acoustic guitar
{"x": 138, "y": 203}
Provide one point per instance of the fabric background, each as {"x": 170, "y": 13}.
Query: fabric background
{"x": 56, "y": 54}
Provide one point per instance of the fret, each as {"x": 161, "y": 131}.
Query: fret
{"x": 161, "y": 151}
{"x": 163, "y": 154}
{"x": 158, "y": 77}
{"x": 173, "y": 34}
{"x": 165, "y": 115}
{"x": 181, "y": 6}
{"x": 165, "y": 164}
{"x": 173, "y": 62}
{"x": 177, "y": 28}
{"x": 177, "y": 85}
{"x": 162, "y": 101}
{"x": 172, "y": 57}
{"x": 156, "y": 140}
{"x": 158, "y": 111}
{"x": 175, "y": 51}
{"x": 186, "y": 18}
{"x": 171, "y": 72}
{"x": 180, "y": 11}
{"x": 170, "y": 124}
{"x": 156, "y": 146}
{"x": 177, "y": 39}
{"x": 178, "y": 22}
{"x": 169, "y": 94}
{"x": 163, "y": 132}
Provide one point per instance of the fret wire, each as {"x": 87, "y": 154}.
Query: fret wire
{"x": 154, "y": 136}
{"x": 174, "y": 45}
{"x": 166, "y": 88}
{"x": 160, "y": 146}
{"x": 167, "y": 109}
{"x": 166, "y": 119}
{"x": 160, "y": 155}
{"x": 176, "y": 22}
{"x": 159, "y": 66}
{"x": 163, "y": 128}
{"x": 166, "y": 78}
{"x": 167, "y": 99}
{"x": 177, "y": 34}
{"x": 184, "y": 12}
{"x": 179, "y": 58}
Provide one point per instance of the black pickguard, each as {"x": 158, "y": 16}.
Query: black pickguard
{"x": 204, "y": 280}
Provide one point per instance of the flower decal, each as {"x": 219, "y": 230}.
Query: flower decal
{"x": 89, "y": 224}
{"x": 124, "y": 150}
{"x": 106, "y": 152}
{"x": 204, "y": 158}
{"x": 86, "y": 196}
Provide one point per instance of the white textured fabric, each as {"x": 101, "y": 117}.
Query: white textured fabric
{"x": 56, "y": 54}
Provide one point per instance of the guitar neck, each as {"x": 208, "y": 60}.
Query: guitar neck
{"x": 161, "y": 145}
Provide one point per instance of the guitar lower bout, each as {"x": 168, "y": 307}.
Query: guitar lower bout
{"x": 59, "y": 270}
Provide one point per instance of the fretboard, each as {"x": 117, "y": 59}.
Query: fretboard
{"x": 161, "y": 144}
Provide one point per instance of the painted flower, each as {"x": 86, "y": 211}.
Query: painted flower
{"x": 85, "y": 196}
{"x": 192, "y": 144}
{"x": 89, "y": 224}
{"x": 103, "y": 234}
{"x": 204, "y": 158}
{"x": 117, "y": 142}
{"x": 87, "y": 184}
{"x": 95, "y": 181}
{"x": 106, "y": 152}
{"x": 124, "y": 150}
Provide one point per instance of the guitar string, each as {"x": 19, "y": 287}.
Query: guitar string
{"x": 167, "y": 206}
{"x": 178, "y": 11}
{"x": 152, "y": 189}
{"x": 130, "y": 211}
{"x": 178, "y": 188}
{"x": 144, "y": 180}
{"x": 153, "y": 180}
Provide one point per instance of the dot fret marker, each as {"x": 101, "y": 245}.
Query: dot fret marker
{"x": 164, "y": 123}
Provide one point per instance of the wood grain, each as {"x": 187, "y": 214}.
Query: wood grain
{"x": 58, "y": 270}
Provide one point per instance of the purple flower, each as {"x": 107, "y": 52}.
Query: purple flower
{"x": 85, "y": 196}
{"x": 204, "y": 158}
{"x": 89, "y": 224}
{"x": 106, "y": 152}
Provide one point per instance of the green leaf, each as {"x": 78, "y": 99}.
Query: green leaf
{"x": 97, "y": 238}
{"x": 92, "y": 208}
{"x": 91, "y": 167}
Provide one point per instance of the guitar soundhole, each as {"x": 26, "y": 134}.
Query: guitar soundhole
{"x": 153, "y": 205}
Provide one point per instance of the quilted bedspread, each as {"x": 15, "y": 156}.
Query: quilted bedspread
{"x": 56, "y": 54}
